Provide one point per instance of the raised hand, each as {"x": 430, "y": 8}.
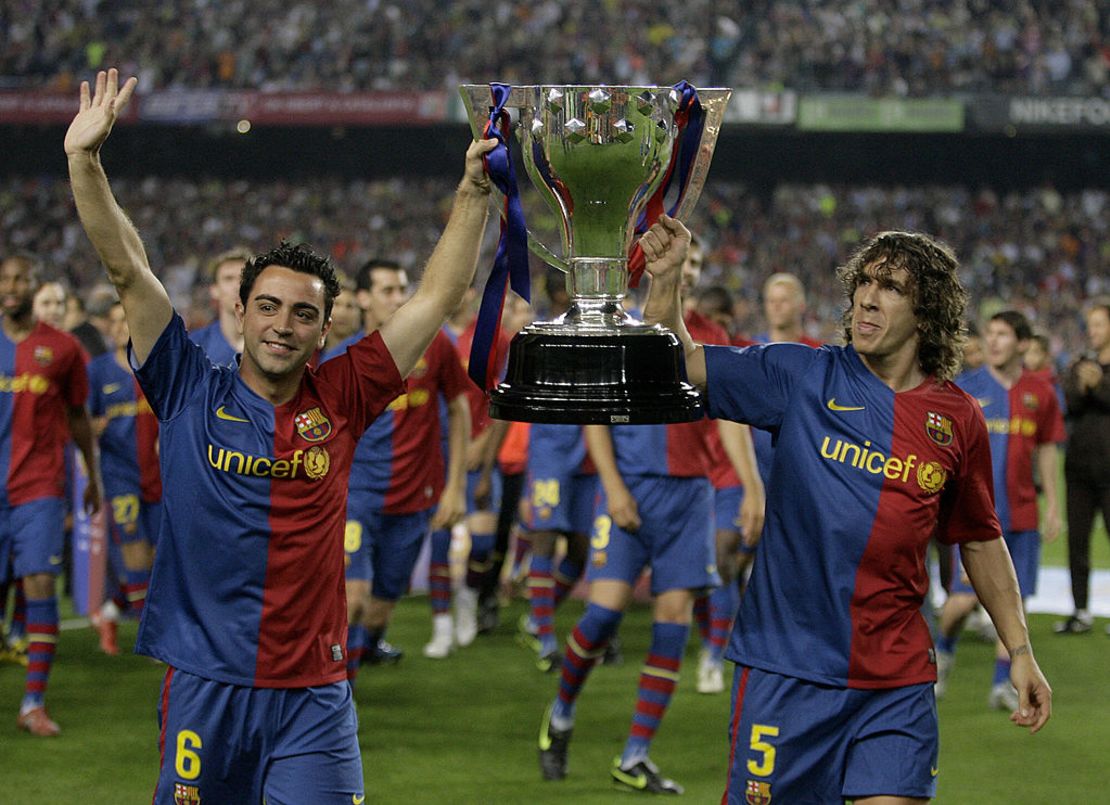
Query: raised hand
{"x": 94, "y": 120}
{"x": 665, "y": 246}
{"x": 475, "y": 175}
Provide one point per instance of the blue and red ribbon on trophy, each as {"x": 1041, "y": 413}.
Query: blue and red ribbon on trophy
{"x": 510, "y": 265}
{"x": 689, "y": 117}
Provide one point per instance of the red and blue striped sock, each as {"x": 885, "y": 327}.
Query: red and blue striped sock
{"x": 723, "y": 603}
{"x": 42, "y": 640}
{"x": 439, "y": 572}
{"x": 522, "y": 546}
{"x": 566, "y": 576}
{"x": 135, "y": 584}
{"x": 541, "y": 595}
{"x": 701, "y": 617}
{"x": 657, "y": 682}
{"x": 356, "y": 646}
{"x": 585, "y": 645}
{"x": 18, "y": 628}
{"x": 481, "y": 559}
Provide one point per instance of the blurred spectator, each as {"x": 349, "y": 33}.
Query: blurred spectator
{"x": 49, "y": 304}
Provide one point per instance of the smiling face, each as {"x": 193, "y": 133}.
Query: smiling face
{"x": 884, "y": 327}
{"x": 283, "y": 323}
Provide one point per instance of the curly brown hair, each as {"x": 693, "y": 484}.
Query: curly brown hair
{"x": 939, "y": 300}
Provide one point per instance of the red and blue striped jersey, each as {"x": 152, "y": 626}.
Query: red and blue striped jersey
{"x": 478, "y": 399}
{"x": 861, "y": 479}
{"x": 399, "y": 462}
{"x": 247, "y": 586}
{"x": 1019, "y": 419}
{"x": 129, "y": 441}
{"x": 721, "y": 472}
{"x": 40, "y": 378}
{"x": 211, "y": 340}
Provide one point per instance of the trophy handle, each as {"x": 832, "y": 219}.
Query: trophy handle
{"x": 541, "y": 251}
{"x": 713, "y": 101}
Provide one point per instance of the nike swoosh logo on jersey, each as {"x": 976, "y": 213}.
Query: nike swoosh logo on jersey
{"x": 111, "y": 388}
{"x": 834, "y": 406}
{"x": 983, "y": 401}
{"x": 357, "y": 800}
{"x": 933, "y": 770}
{"x": 222, "y": 414}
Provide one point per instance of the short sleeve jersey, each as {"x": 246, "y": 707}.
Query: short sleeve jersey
{"x": 211, "y": 340}
{"x": 40, "y": 377}
{"x": 129, "y": 442}
{"x": 247, "y": 586}
{"x": 400, "y": 461}
{"x": 1019, "y": 420}
{"x": 862, "y": 479}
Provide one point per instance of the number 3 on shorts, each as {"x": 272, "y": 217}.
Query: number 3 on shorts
{"x": 766, "y": 764}
{"x": 187, "y": 762}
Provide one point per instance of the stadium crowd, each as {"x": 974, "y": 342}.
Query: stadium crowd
{"x": 1040, "y": 251}
{"x": 889, "y": 47}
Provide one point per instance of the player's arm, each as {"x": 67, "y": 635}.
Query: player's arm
{"x": 622, "y": 506}
{"x": 452, "y": 503}
{"x": 665, "y": 246}
{"x": 991, "y": 573}
{"x": 1047, "y": 457}
{"x": 449, "y": 271}
{"x": 81, "y": 429}
{"x": 737, "y": 442}
{"x": 115, "y": 239}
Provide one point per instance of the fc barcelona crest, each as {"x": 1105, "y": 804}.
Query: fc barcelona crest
{"x": 939, "y": 428}
{"x": 44, "y": 356}
{"x": 1029, "y": 399}
{"x": 312, "y": 425}
{"x": 757, "y": 793}
{"x": 186, "y": 794}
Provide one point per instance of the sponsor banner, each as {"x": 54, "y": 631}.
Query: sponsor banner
{"x": 1046, "y": 114}
{"x": 44, "y": 108}
{"x": 752, "y": 107}
{"x": 860, "y": 113}
{"x": 186, "y": 107}
{"x": 90, "y": 545}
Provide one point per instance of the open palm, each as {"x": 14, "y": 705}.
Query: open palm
{"x": 94, "y": 120}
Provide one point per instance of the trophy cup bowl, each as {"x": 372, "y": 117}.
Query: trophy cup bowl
{"x": 597, "y": 154}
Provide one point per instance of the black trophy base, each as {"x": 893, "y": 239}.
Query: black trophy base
{"x": 603, "y": 379}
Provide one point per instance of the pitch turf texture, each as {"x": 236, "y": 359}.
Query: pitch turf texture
{"x": 464, "y": 730}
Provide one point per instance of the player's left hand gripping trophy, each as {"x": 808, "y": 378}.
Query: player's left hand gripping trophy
{"x": 605, "y": 159}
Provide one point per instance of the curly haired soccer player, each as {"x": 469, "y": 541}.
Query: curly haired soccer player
{"x": 246, "y": 604}
{"x": 878, "y": 450}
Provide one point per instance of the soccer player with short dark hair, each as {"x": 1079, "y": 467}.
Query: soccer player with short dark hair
{"x": 220, "y": 338}
{"x": 1025, "y": 426}
{"x": 43, "y": 386}
{"x": 876, "y": 451}
{"x": 246, "y": 605}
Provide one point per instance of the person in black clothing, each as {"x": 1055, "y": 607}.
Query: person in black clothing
{"x": 1087, "y": 463}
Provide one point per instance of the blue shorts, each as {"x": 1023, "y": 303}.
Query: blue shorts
{"x": 227, "y": 743}
{"x": 562, "y": 503}
{"x": 32, "y": 535}
{"x": 675, "y": 537}
{"x": 132, "y": 520}
{"x": 383, "y": 548}
{"x": 796, "y": 741}
{"x": 726, "y": 506}
{"x": 1025, "y": 551}
{"x": 494, "y": 504}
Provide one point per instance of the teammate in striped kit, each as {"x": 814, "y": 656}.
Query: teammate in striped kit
{"x": 398, "y": 476}
{"x": 881, "y": 451}
{"x": 1025, "y": 425}
{"x": 246, "y": 605}
{"x": 43, "y": 387}
{"x": 221, "y": 339}
{"x": 127, "y": 432}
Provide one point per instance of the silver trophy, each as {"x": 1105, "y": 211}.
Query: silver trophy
{"x": 599, "y": 155}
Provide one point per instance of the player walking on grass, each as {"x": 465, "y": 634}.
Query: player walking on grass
{"x": 127, "y": 432}
{"x": 1025, "y": 426}
{"x": 876, "y": 451}
{"x": 43, "y": 387}
{"x": 246, "y": 604}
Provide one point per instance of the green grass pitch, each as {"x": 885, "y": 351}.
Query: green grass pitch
{"x": 463, "y": 730}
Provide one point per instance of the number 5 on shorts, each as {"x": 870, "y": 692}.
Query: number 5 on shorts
{"x": 766, "y": 764}
{"x": 187, "y": 762}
